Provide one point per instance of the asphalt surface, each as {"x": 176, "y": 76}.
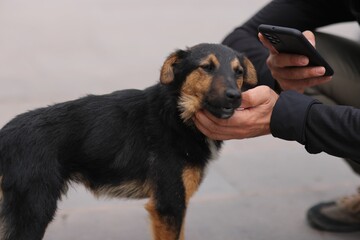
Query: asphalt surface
{"x": 53, "y": 51}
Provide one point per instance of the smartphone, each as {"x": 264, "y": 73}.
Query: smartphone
{"x": 290, "y": 40}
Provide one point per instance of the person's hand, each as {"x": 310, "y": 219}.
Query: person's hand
{"x": 253, "y": 119}
{"x": 291, "y": 70}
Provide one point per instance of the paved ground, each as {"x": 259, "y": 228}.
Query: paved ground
{"x": 52, "y": 51}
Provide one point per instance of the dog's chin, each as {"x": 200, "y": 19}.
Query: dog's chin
{"x": 219, "y": 111}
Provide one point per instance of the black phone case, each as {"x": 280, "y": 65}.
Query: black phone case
{"x": 290, "y": 40}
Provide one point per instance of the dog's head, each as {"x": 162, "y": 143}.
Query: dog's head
{"x": 208, "y": 76}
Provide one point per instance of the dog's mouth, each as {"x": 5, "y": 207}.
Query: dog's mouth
{"x": 223, "y": 112}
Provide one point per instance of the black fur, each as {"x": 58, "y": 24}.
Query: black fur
{"x": 126, "y": 136}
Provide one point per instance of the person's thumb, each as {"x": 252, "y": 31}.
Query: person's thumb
{"x": 255, "y": 97}
{"x": 248, "y": 99}
{"x": 310, "y": 37}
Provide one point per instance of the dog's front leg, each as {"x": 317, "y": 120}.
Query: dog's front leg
{"x": 166, "y": 224}
{"x": 167, "y": 204}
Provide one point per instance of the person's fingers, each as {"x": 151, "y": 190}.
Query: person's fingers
{"x": 217, "y": 125}
{"x": 209, "y": 128}
{"x": 296, "y": 73}
{"x": 286, "y": 60}
{"x": 202, "y": 123}
{"x": 300, "y": 85}
{"x": 211, "y": 119}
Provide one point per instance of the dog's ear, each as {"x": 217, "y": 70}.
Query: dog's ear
{"x": 250, "y": 76}
{"x": 168, "y": 69}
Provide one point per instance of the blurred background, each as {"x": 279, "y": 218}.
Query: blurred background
{"x": 57, "y": 50}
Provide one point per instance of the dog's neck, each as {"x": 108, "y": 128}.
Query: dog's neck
{"x": 164, "y": 105}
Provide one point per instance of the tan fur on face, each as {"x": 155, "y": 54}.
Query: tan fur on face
{"x": 211, "y": 59}
{"x": 192, "y": 93}
{"x": 194, "y": 89}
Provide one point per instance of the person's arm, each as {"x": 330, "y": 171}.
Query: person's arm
{"x": 300, "y": 14}
{"x": 321, "y": 128}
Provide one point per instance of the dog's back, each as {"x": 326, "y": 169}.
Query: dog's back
{"x": 89, "y": 131}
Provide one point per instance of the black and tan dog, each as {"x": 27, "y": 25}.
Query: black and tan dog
{"x": 130, "y": 143}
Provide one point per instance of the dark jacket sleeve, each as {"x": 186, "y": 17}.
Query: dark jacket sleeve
{"x": 321, "y": 128}
{"x": 300, "y": 14}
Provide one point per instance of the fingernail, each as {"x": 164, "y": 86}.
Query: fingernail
{"x": 320, "y": 71}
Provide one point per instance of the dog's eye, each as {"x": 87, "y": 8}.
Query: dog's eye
{"x": 238, "y": 71}
{"x": 208, "y": 67}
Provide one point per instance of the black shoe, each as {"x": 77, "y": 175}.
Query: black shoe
{"x": 340, "y": 216}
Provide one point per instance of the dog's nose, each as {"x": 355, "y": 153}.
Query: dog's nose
{"x": 232, "y": 94}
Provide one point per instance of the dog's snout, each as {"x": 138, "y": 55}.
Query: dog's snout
{"x": 232, "y": 94}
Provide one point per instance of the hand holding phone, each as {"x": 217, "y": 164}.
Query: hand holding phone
{"x": 290, "y": 40}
